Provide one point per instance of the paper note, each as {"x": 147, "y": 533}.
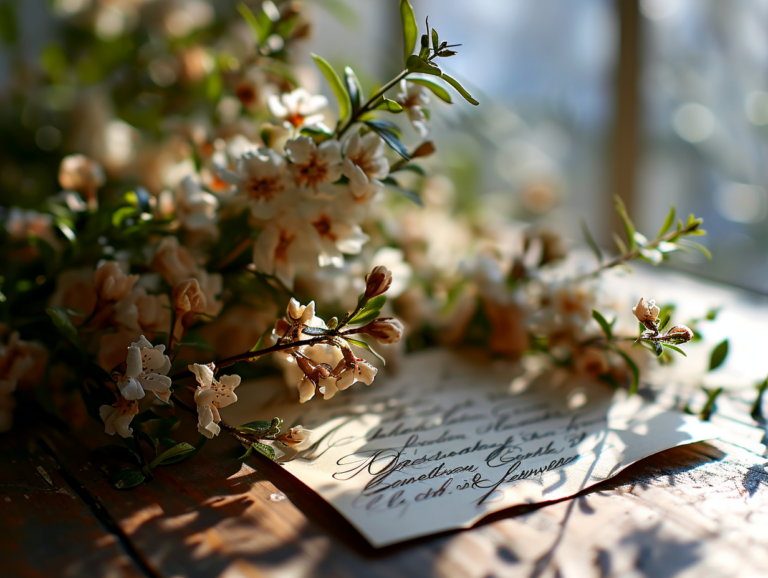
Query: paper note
{"x": 449, "y": 440}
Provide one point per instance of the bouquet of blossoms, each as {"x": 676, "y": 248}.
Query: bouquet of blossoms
{"x": 225, "y": 190}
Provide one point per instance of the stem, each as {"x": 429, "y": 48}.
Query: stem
{"x": 254, "y": 354}
{"x": 236, "y": 252}
{"x": 144, "y": 466}
{"x": 628, "y": 256}
{"x": 371, "y": 101}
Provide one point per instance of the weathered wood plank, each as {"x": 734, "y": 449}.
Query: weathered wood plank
{"x": 46, "y": 529}
{"x": 692, "y": 510}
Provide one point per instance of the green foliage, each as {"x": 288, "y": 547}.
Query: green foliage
{"x": 263, "y": 449}
{"x": 342, "y": 97}
{"x": 591, "y": 241}
{"x": 410, "y": 29}
{"x": 390, "y": 134}
{"x": 369, "y": 312}
{"x": 668, "y": 222}
{"x": 354, "y": 89}
{"x": 718, "y": 355}
{"x": 363, "y": 345}
{"x": 461, "y": 90}
{"x": 413, "y": 196}
{"x": 388, "y": 105}
{"x": 418, "y": 64}
{"x": 436, "y": 89}
{"x": 126, "y": 479}
{"x": 262, "y": 428}
{"x": 604, "y": 325}
{"x": 63, "y": 324}
{"x": 634, "y": 369}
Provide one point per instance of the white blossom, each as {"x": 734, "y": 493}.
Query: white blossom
{"x": 313, "y": 165}
{"x": 195, "y": 208}
{"x": 298, "y": 108}
{"x": 413, "y": 99}
{"x": 332, "y": 235}
{"x": 146, "y": 370}
{"x": 297, "y": 437}
{"x": 117, "y": 418}
{"x": 212, "y": 394}
{"x": 283, "y": 248}
{"x": 365, "y": 165}
{"x": 262, "y": 177}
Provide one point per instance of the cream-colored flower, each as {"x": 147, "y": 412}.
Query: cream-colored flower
{"x": 144, "y": 313}
{"x": 413, "y": 99}
{"x": 188, "y": 302}
{"x": 211, "y": 395}
{"x": 592, "y": 361}
{"x": 385, "y": 330}
{"x": 332, "y": 235}
{"x": 262, "y": 176}
{"x": 297, "y": 438}
{"x": 299, "y": 313}
{"x": 283, "y": 248}
{"x": 79, "y": 173}
{"x": 195, "y": 208}
{"x": 173, "y": 261}
{"x": 364, "y": 372}
{"x": 110, "y": 283}
{"x": 146, "y": 370}
{"x": 22, "y": 363}
{"x": 298, "y": 108}
{"x": 646, "y": 312}
{"x": 365, "y": 165}
{"x": 117, "y": 418}
{"x": 313, "y": 165}
{"x": 75, "y": 291}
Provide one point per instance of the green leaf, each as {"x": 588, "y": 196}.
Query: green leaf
{"x": 177, "y": 453}
{"x": 701, "y": 248}
{"x": 250, "y": 18}
{"x": 462, "y": 91}
{"x": 353, "y": 88}
{"x": 633, "y": 368}
{"x": 606, "y": 327}
{"x": 719, "y": 353}
{"x": 591, "y": 241}
{"x": 260, "y": 342}
{"x": 410, "y": 29}
{"x": 261, "y": 427}
{"x": 369, "y": 312}
{"x": 126, "y": 479}
{"x": 64, "y": 325}
{"x": 263, "y": 449}
{"x": 435, "y": 40}
{"x": 390, "y": 137}
{"x": 658, "y": 349}
{"x": 668, "y": 221}
{"x": 417, "y": 64}
{"x": 412, "y": 195}
{"x": 664, "y": 322}
{"x": 413, "y": 168}
{"x": 437, "y": 90}
{"x": 388, "y": 105}
{"x": 620, "y": 244}
{"x": 364, "y": 345}
{"x": 675, "y": 348}
{"x": 629, "y": 227}
{"x": 317, "y": 133}
{"x": 161, "y": 427}
{"x": 345, "y": 104}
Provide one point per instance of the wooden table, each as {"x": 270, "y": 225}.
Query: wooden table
{"x": 699, "y": 510}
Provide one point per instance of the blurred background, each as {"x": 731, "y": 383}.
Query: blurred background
{"x": 658, "y": 101}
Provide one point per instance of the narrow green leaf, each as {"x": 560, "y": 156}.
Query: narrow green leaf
{"x": 126, "y": 479}
{"x": 435, "y": 40}
{"x": 701, "y": 248}
{"x": 353, "y": 88}
{"x": 591, "y": 241}
{"x": 256, "y": 428}
{"x": 364, "y": 345}
{"x": 606, "y": 327}
{"x": 675, "y": 348}
{"x": 438, "y": 90}
{"x": 719, "y": 353}
{"x": 709, "y": 407}
{"x": 390, "y": 137}
{"x": 633, "y": 368}
{"x": 250, "y": 18}
{"x": 668, "y": 221}
{"x": 462, "y": 91}
{"x": 64, "y": 325}
{"x": 369, "y": 312}
{"x": 413, "y": 168}
{"x": 388, "y": 105}
{"x": 417, "y": 64}
{"x": 392, "y": 184}
{"x": 345, "y": 104}
{"x": 410, "y": 29}
{"x": 177, "y": 453}
{"x": 629, "y": 227}
{"x": 620, "y": 244}
{"x": 664, "y": 322}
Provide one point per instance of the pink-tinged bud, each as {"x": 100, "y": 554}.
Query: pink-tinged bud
{"x": 188, "y": 301}
{"x": 79, "y": 173}
{"x": 679, "y": 334}
{"x": 111, "y": 283}
{"x": 385, "y": 330}
{"x": 297, "y": 438}
{"x": 377, "y": 282}
{"x": 646, "y": 312}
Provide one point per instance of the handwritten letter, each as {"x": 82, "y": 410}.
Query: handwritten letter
{"x": 448, "y": 441}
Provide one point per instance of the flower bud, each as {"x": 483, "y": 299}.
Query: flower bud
{"x": 188, "y": 301}
{"x": 300, "y": 313}
{"x": 297, "y": 437}
{"x": 377, "y": 282}
{"x": 646, "y": 313}
{"x": 79, "y": 173}
{"x": 385, "y": 330}
{"x": 111, "y": 283}
{"x": 679, "y": 334}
